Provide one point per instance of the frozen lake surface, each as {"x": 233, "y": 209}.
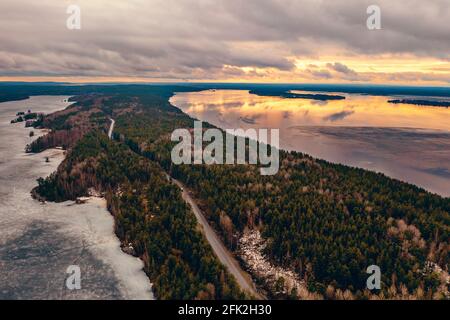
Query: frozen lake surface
{"x": 39, "y": 241}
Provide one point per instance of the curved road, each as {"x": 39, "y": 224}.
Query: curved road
{"x": 225, "y": 256}
{"x": 243, "y": 278}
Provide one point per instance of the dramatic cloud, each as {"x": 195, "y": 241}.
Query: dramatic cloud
{"x": 342, "y": 68}
{"x": 262, "y": 40}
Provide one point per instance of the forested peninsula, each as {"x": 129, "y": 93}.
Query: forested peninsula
{"x": 324, "y": 222}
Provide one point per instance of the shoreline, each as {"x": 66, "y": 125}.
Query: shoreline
{"x": 371, "y": 148}
{"x": 58, "y": 234}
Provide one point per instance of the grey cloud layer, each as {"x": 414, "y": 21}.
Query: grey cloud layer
{"x": 194, "y": 39}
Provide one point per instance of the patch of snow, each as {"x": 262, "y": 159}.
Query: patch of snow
{"x": 251, "y": 247}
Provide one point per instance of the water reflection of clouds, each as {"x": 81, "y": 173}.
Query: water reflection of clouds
{"x": 319, "y": 102}
{"x": 355, "y": 110}
{"x": 251, "y": 119}
{"x": 362, "y": 131}
{"x": 287, "y": 114}
{"x": 221, "y": 106}
{"x": 338, "y": 115}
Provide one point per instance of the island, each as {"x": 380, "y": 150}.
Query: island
{"x": 271, "y": 92}
{"x": 420, "y": 102}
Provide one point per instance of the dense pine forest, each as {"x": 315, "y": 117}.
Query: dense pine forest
{"x": 327, "y": 222}
{"x": 149, "y": 211}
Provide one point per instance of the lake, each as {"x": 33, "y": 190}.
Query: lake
{"x": 38, "y": 242}
{"x": 406, "y": 142}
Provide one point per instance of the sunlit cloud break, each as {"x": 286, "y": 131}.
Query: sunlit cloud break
{"x": 225, "y": 40}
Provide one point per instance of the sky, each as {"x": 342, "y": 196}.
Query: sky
{"x": 289, "y": 41}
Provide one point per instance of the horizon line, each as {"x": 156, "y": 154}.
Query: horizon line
{"x": 186, "y": 82}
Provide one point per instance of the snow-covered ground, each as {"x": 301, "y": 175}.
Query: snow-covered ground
{"x": 281, "y": 280}
{"x": 38, "y": 242}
